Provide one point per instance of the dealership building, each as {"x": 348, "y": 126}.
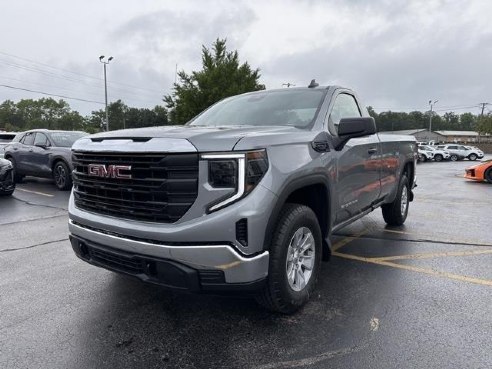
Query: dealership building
{"x": 424, "y": 135}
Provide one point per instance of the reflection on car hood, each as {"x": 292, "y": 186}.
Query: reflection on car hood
{"x": 204, "y": 138}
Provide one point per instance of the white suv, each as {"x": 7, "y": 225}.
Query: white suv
{"x": 439, "y": 155}
{"x": 425, "y": 153}
{"x": 459, "y": 152}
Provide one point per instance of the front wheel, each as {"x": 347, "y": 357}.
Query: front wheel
{"x": 438, "y": 157}
{"x": 488, "y": 175}
{"x": 62, "y": 177}
{"x": 395, "y": 213}
{"x": 472, "y": 157}
{"x": 295, "y": 260}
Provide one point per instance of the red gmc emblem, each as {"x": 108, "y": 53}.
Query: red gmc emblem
{"x": 109, "y": 171}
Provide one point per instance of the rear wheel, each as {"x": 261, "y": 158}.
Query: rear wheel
{"x": 453, "y": 157}
{"x": 438, "y": 157}
{"x": 62, "y": 177}
{"x": 472, "y": 157}
{"x": 395, "y": 213}
{"x": 488, "y": 175}
{"x": 295, "y": 258}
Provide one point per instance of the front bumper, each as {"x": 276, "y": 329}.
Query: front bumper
{"x": 7, "y": 183}
{"x": 190, "y": 267}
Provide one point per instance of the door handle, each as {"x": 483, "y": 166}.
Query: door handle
{"x": 372, "y": 150}
{"x": 30, "y": 150}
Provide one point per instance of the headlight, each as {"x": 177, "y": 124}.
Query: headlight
{"x": 240, "y": 171}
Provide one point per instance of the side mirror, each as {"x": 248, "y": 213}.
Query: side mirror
{"x": 354, "y": 127}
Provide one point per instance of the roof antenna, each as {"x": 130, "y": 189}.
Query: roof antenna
{"x": 313, "y": 84}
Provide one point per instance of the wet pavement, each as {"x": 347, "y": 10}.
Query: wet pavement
{"x": 418, "y": 296}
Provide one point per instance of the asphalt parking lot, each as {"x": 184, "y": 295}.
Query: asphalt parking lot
{"x": 418, "y": 296}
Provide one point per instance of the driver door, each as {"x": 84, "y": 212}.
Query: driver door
{"x": 39, "y": 155}
{"x": 359, "y": 163}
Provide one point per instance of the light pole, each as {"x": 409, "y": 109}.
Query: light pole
{"x": 431, "y": 103}
{"x": 101, "y": 59}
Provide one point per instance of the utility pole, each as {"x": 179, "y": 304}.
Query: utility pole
{"x": 431, "y": 103}
{"x": 101, "y": 59}
{"x": 483, "y": 107}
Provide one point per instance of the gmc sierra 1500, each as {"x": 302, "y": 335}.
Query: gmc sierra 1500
{"x": 242, "y": 198}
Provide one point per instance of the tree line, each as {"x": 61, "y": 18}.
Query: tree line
{"x": 450, "y": 121}
{"x": 56, "y": 114}
{"x": 222, "y": 75}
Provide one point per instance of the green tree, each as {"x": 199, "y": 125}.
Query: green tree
{"x": 468, "y": 121}
{"x": 221, "y": 76}
{"x": 484, "y": 124}
{"x": 10, "y": 119}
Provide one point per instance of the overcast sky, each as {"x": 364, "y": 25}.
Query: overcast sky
{"x": 396, "y": 54}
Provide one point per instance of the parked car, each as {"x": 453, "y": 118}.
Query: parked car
{"x": 438, "y": 154}
{"x": 480, "y": 172}
{"x": 7, "y": 184}
{"x": 460, "y": 152}
{"x": 5, "y": 139}
{"x": 43, "y": 153}
{"x": 425, "y": 154}
{"x": 242, "y": 198}
{"x": 474, "y": 151}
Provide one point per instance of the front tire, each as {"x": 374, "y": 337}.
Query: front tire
{"x": 62, "y": 176}
{"x": 488, "y": 175}
{"x": 438, "y": 157}
{"x": 395, "y": 213}
{"x": 295, "y": 260}
{"x": 472, "y": 157}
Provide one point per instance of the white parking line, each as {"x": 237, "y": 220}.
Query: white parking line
{"x": 35, "y": 192}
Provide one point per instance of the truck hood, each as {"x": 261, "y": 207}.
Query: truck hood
{"x": 179, "y": 138}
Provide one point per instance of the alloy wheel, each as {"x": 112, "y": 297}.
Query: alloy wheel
{"x": 300, "y": 259}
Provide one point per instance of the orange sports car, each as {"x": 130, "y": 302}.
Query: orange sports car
{"x": 480, "y": 172}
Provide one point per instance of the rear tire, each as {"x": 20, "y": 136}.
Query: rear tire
{"x": 453, "y": 157}
{"x": 472, "y": 157}
{"x": 395, "y": 213}
{"x": 295, "y": 260}
{"x": 62, "y": 176}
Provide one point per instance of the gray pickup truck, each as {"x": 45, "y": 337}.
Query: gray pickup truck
{"x": 242, "y": 198}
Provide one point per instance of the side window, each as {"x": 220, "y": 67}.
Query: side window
{"x": 41, "y": 139}
{"x": 463, "y": 148}
{"x": 344, "y": 106}
{"x": 452, "y": 147}
{"x": 28, "y": 139}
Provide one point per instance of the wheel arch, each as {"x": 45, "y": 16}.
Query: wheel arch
{"x": 312, "y": 191}
{"x": 55, "y": 160}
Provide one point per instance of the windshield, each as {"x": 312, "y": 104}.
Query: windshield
{"x": 296, "y": 108}
{"x": 66, "y": 139}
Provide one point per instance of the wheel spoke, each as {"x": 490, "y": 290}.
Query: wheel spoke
{"x": 307, "y": 243}
{"x": 308, "y": 262}
{"x": 300, "y": 278}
